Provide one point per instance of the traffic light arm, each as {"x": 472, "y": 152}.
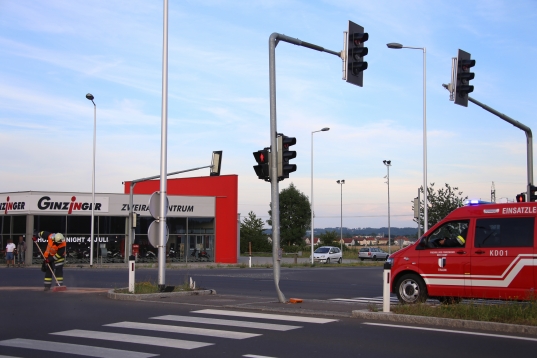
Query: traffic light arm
{"x": 526, "y": 129}
{"x": 279, "y": 37}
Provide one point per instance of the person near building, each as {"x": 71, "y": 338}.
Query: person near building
{"x": 54, "y": 257}
{"x": 21, "y": 251}
{"x": 10, "y": 247}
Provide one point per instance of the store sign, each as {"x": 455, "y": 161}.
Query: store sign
{"x": 71, "y": 204}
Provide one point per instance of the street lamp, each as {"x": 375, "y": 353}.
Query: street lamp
{"x": 90, "y": 97}
{"x": 388, "y": 164}
{"x": 312, "y": 226}
{"x": 399, "y": 46}
{"x": 341, "y": 182}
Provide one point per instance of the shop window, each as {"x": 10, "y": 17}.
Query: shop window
{"x": 201, "y": 225}
{"x": 112, "y": 225}
{"x": 19, "y": 224}
{"x": 509, "y": 232}
{"x": 176, "y": 225}
{"x": 79, "y": 225}
{"x": 50, "y": 223}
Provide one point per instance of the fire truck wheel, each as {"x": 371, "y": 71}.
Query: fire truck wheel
{"x": 411, "y": 289}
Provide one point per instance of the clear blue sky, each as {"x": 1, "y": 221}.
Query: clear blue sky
{"x": 54, "y": 52}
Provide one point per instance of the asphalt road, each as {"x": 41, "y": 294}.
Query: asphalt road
{"x": 310, "y": 283}
{"x": 87, "y": 323}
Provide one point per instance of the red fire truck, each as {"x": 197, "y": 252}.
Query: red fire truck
{"x": 481, "y": 250}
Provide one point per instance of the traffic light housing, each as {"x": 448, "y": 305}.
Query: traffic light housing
{"x": 463, "y": 87}
{"x": 262, "y": 169}
{"x": 533, "y": 193}
{"x": 284, "y": 155}
{"x": 520, "y": 198}
{"x": 354, "y": 54}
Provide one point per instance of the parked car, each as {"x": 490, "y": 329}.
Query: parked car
{"x": 328, "y": 254}
{"x": 372, "y": 253}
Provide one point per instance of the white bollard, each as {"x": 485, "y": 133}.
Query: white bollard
{"x": 386, "y": 287}
{"x": 131, "y": 273}
{"x": 250, "y": 262}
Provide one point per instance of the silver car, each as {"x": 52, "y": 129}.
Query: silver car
{"x": 372, "y": 253}
{"x": 328, "y": 254}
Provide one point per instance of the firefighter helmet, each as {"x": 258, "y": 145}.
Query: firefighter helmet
{"x": 58, "y": 238}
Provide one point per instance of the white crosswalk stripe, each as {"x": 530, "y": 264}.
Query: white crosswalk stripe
{"x": 226, "y": 322}
{"x": 184, "y": 330}
{"x": 267, "y": 316}
{"x": 77, "y": 349}
{"x": 257, "y": 322}
{"x": 132, "y": 338}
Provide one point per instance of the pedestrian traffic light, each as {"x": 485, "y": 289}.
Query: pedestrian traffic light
{"x": 284, "y": 155}
{"x": 520, "y": 198}
{"x": 262, "y": 169}
{"x": 533, "y": 193}
{"x": 355, "y": 51}
{"x": 463, "y": 87}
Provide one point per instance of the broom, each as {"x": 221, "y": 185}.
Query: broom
{"x": 55, "y": 288}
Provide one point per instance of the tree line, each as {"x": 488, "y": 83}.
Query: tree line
{"x": 295, "y": 219}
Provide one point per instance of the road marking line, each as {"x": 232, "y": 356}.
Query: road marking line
{"x": 69, "y": 348}
{"x": 256, "y": 356}
{"x": 131, "y": 338}
{"x": 452, "y": 331}
{"x": 267, "y": 316}
{"x": 226, "y": 322}
{"x": 185, "y": 330}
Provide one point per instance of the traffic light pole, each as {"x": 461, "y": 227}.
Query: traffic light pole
{"x": 274, "y": 187}
{"x": 527, "y": 130}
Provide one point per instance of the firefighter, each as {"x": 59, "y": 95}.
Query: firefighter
{"x": 54, "y": 257}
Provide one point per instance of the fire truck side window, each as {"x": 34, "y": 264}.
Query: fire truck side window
{"x": 509, "y": 232}
{"x": 450, "y": 231}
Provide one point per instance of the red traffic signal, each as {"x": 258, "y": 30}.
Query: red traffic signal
{"x": 520, "y": 198}
{"x": 262, "y": 169}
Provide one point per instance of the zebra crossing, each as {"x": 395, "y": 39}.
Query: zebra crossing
{"x": 143, "y": 334}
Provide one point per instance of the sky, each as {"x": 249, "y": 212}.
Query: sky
{"x": 54, "y": 52}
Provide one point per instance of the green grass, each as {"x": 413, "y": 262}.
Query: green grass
{"x": 146, "y": 287}
{"x": 521, "y": 313}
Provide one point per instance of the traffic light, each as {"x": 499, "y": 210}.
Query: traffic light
{"x": 463, "y": 87}
{"x": 262, "y": 169}
{"x": 533, "y": 193}
{"x": 284, "y": 155}
{"x": 355, "y": 52}
{"x": 520, "y": 198}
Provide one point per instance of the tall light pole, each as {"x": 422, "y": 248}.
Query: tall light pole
{"x": 399, "y": 46}
{"x": 341, "y": 182}
{"x": 312, "y": 215}
{"x": 90, "y": 97}
{"x": 388, "y": 164}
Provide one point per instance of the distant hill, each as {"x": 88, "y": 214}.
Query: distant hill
{"x": 394, "y": 231}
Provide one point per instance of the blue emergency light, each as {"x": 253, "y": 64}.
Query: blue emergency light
{"x": 468, "y": 202}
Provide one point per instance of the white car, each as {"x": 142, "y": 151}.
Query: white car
{"x": 328, "y": 254}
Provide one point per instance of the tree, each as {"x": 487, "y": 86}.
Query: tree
{"x": 440, "y": 203}
{"x": 328, "y": 238}
{"x": 295, "y": 216}
{"x": 251, "y": 230}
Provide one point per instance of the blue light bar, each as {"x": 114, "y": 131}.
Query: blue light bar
{"x": 468, "y": 202}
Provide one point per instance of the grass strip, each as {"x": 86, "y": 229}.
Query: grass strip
{"x": 512, "y": 312}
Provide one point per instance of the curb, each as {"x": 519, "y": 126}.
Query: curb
{"x": 446, "y": 322}
{"x": 138, "y": 297}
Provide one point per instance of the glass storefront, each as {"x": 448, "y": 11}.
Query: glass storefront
{"x": 190, "y": 239}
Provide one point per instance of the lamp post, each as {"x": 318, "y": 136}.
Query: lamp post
{"x": 388, "y": 164}
{"x": 312, "y": 215}
{"x": 90, "y": 97}
{"x": 341, "y": 182}
{"x": 399, "y": 46}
